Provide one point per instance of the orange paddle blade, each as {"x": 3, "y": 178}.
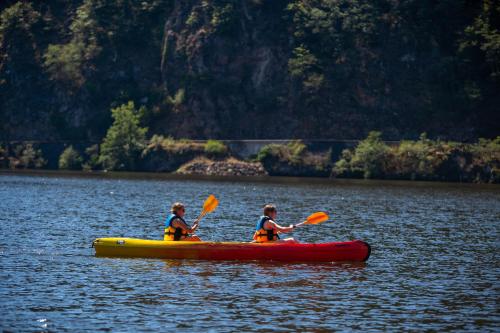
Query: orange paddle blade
{"x": 210, "y": 204}
{"x": 316, "y": 218}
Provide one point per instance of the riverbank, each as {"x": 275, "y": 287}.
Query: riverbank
{"x": 372, "y": 158}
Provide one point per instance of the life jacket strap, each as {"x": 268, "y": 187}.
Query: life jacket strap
{"x": 269, "y": 234}
{"x": 177, "y": 234}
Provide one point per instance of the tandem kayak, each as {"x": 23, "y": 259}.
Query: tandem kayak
{"x": 356, "y": 250}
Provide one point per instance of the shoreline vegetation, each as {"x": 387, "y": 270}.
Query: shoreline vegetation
{"x": 126, "y": 148}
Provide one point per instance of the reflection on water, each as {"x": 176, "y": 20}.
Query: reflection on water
{"x": 434, "y": 263}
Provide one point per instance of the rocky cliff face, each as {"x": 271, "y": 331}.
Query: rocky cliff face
{"x": 318, "y": 69}
{"x": 231, "y": 63}
{"x": 250, "y": 69}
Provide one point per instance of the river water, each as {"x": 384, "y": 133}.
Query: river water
{"x": 434, "y": 263}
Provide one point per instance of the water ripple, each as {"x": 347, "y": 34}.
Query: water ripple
{"x": 434, "y": 264}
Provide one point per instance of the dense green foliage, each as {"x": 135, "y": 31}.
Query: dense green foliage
{"x": 26, "y": 156}
{"x": 215, "y": 148}
{"x": 423, "y": 159}
{"x": 293, "y": 159}
{"x": 370, "y": 156}
{"x": 29, "y": 157}
{"x": 92, "y": 158}
{"x": 124, "y": 141}
{"x": 70, "y": 159}
{"x": 251, "y": 69}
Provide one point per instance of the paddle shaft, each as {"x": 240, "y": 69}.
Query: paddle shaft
{"x": 203, "y": 213}
{"x": 299, "y": 224}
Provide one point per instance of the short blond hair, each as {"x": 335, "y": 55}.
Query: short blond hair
{"x": 269, "y": 208}
{"x": 176, "y": 207}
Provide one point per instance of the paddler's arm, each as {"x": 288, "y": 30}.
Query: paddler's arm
{"x": 177, "y": 223}
{"x": 276, "y": 226}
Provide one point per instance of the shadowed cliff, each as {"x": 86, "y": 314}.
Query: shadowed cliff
{"x": 251, "y": 69}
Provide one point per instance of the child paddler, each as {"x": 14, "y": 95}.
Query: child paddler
{"x": 176, "y": 228}
{"x": 267, "y": 230}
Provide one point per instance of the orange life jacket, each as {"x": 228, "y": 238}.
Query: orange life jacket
{"x": 171, "y": 233}
{"x": 261, "y": 234}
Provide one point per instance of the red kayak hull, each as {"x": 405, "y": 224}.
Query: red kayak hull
{"x": 355, "y": 251}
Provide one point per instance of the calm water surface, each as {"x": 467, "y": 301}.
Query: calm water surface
{"x": 434, "y": 263}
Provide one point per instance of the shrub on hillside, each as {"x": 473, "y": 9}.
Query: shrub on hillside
{"x": 168, "y": 154}
{"x": 297, "y": 151}
{"x": 271, "y": 151}
{"x": 423, "y": 159}
{"x": 27, "y": 157}
{"x": 293, "y": 159}
{"x": 124, "y": 140}
{"x": 369, "y": 158}
{"x": 70, "y": 159}
{"x": 215, "y": 148}
{"x": 485, "y": 164}
{"x": 291, "y": 152}
{"x": 92, "y": 158}
{"x": 418, "y": 159}
{"x": 342, "y": 168}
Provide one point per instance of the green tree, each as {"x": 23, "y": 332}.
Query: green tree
{"x": 483, "y": 36}
{"x": 70, "y": 159}
{"x": 371, "y": 156}
{"x": 479, "y": 51}
{"x": 29, "y": 157}
{"x": 124, "y": 140}
{"x": 92, "y": 160}
{"x": 67, "y": 62}
{"x": 223, "y": 18}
